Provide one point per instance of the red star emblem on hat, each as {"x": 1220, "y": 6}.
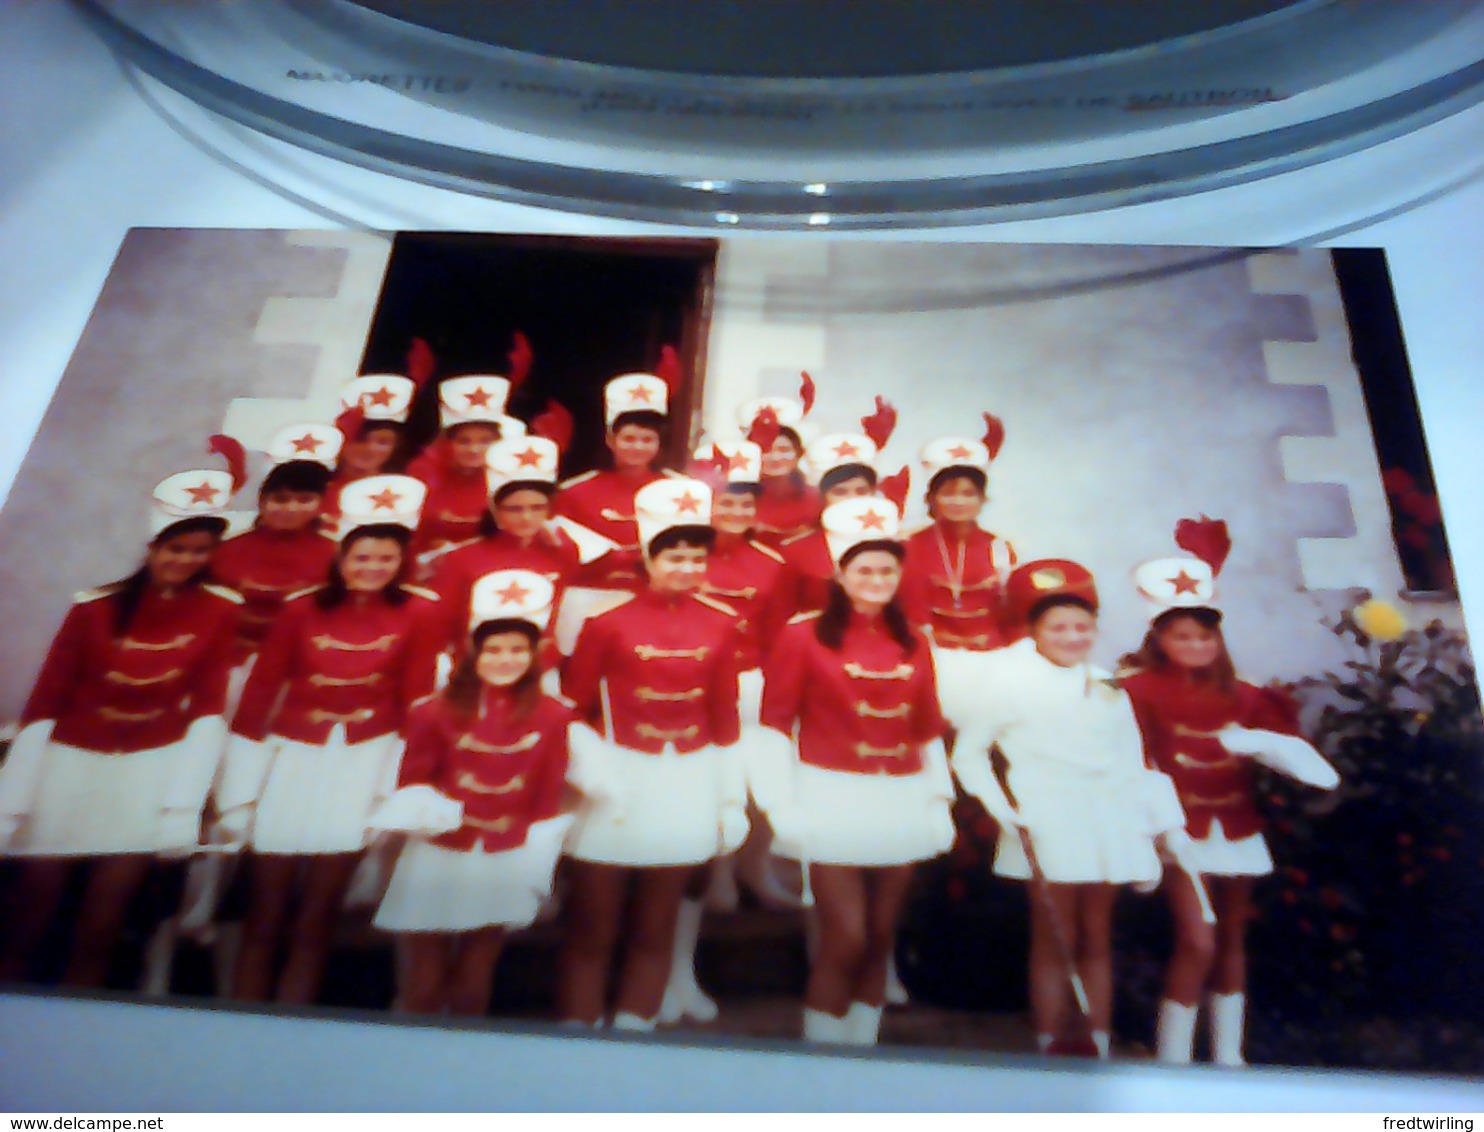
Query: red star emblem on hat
{"x": 479, "y": 398}
{"x": 847, "y": 448}
{"x": 307, "y": 443}
{"x": 959, "y": 452}
{"x": 738, "y": 460}
{"x": 203, "y": 493}
{"x": 382, "y": 396}
{"x": 385, "y": 500}
{"x": 640, "y": 393}
{"x": 873, "y": 521}
{"x": 1184, "y": 583}
{"x": 687, "y": 504}
{"x": 530, "y": 458}
{"x": 513, "y": 594}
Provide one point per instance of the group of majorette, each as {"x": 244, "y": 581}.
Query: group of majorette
{"x": 752, "y": 656}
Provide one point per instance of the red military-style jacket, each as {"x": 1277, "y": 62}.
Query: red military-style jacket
{"x": 603, "y": 501}
{"x": 785, "y": 510}
{"x": 507, "y": 771}
{"x": 866, "y": 709}
{"x": 265, "y": 567}
{"x": 669, "y": 666}
{"x": 1179, "y": 721}
{"x": 118, "y": 695}
{"x": 744, "y": 575}
{"x": 360, "y": 664}
{"x": 457, "y": 502}
{"x": 805, "y": 584}
{"x": 955, "y": 587}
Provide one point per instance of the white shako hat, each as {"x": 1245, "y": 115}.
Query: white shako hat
{"x": 786, "y": 410}
{"x": 200, "y": 494}
{"x": 316, "y": 443}
{"x": 953, "y": 452}
{"x": 668, "y": 503}
{"x": 511, "y": 595}
{"x": 744, "y": 460}
{"x": 634, "y": 393}
{"x": 380, "y": 396}
{"x": 475, "y": 399}
{"x": 854, "y": 521}
{"x": 836, "y": 450}
{"x": 521, "y": 459}
{"x": 381, "y": 499}
{"x": 1186, "y": 582}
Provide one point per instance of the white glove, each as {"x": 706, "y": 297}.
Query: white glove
{"x": 177, "y": 832}
{"x": 243, "y": 773}
{"x": 1286, "y": 754}
{"x": 1160, "y": 802}
{"x": 590, "y": 769}
{"x": 419, "y": 810}
{"x": 545, "y": 841}
{"x": 20, "y": 774}
{"x": 935, "y": 767}
{"x": 978, "y": 779}
{"x": 733, "y": 827}
{"x": 233, "y": 829}
{"x": 201, "y": 754}
{"x": 790, "y": 831}
{"x": 9, "y": 825}
{"x": 590, "y": 545}
{"x": 769, "y": 770}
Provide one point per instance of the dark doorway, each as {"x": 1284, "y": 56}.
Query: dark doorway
{"x": 591, "y": 308}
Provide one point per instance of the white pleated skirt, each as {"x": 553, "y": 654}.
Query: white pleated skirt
{"x": 1085, "y": 829}
{"x": 317, "y": 799}
{"x": 434, "y": 889}
{"x": 867, "y": 820}
{"x": 91, "y": 804}
{"x": 669, "y": 812}
{"x": 1217, "y": 855}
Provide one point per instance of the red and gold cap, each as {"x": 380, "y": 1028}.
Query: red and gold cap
{"x": 1044, "y": 578}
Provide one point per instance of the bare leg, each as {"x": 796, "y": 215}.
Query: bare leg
{"x": 886, "y": 894}
{"x": 105, "y": 903}
{"x": 472, "y": 975}
{"x": 650, "y": 945}
{"x": 1195, "y": 942}
{"x": 1094, "y": 950}
{"x": 594, "y": 915}
{"x": 1232, "y": 900}
{"x": 314, "y": 926}
{"x": 1049, "y": 986}
{"x": 840, "y": 913}
{"x": 426, "y": 960}
{"x": 33, "y": 903}
{"x": 272, "y": 880}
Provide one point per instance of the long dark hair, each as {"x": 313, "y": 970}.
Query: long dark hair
{"x": 830, "y": 628}
{"x": 465, "y": 686}
{"x": 335, "y": 592}
{"x": 130, "y": 590}
{"x": 1220, "y": 674}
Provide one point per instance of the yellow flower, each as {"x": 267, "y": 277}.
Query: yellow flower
{"x": 1379, "y": 620}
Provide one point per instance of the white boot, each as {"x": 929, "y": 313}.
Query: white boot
{"x": 1176, "y": 1038}
{"x": 896, "y": 993}
{"x": 632, "y": 1023}
{"x": 159, "y": 959}
{"x": 862, "y": 1024}
{"x": 1228, "y": 1020}
{"x": 1101, "y": 1042}
{"x": 722, "y": 894}
{"x": 820, "y": 1026}
{"x": 684, "y": 997}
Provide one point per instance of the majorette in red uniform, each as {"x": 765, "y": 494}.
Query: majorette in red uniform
{"x": 373, "y": 415}
{"x": 480, "y": 791}
{"x": 855, "y": 781}
{"x": 787, "y": 505}
{"x": 1206, "y": 729}
{"x": 123, "y": 732}
{"x": 471, "y": 411}
{"x": 656, "y": 676}
{"x": 285, "y": 551}
{"x": 602, "y": 501}
{"x": 954, "y": 577}
{"x": 316, "y": 738}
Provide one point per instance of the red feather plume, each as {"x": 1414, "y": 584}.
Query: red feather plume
{"x": 421, "y": 362}
{"x": 555, "y": 424}
{"x": 234, "y": 454}
{"x": 994, "y": 434}
{"x": 1206, "y": 538}
{"x": 806, "y": 391}
{"x": 669, "y": 370}
{"x": 711, "y": 470}
{"x": 520, "y": 357}
{"x": 881, "y": 424}
{"x": 895, "y": 488}
{"x": 350, "y": 422}
{"x": 764, "y": 429}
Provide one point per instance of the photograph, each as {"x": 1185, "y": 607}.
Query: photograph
{"x": 983, "y": 651}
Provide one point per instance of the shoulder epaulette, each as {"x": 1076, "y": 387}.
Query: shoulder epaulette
{"x": 800, "y": 618}
{"x": 913, "y": 532}
{"x": 719, "y": 606}
{"x": 673, "y": 474}
{"x": 223, "y": 592}
{"x": 798, "y": 537}
{"x": 570, "y": 705}
{"x": 82, "y": 597}
{"x": 1123, "y": 672}
{"x": 429, "y": 698}
{"x": 765, "y": 549}
{"x": 582, "y": 477}
{"x": 420, "y": 591}
{"x": 305, "y": 592}
{"x": 617, "y": 599}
